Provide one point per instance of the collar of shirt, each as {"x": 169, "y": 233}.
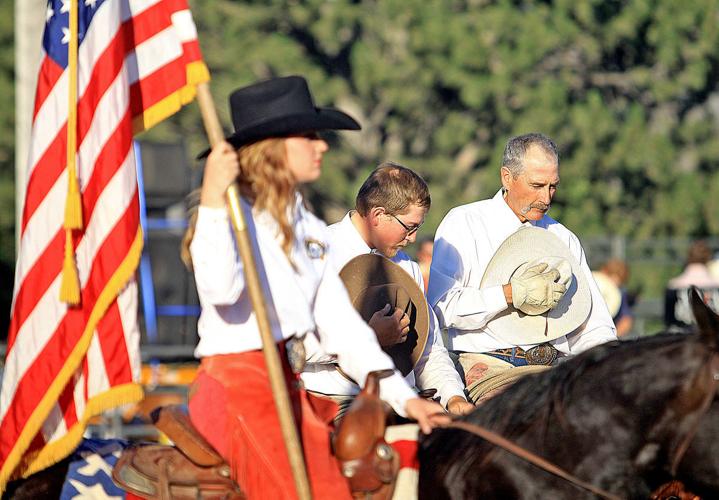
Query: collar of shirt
{"x": 345, "y": 242}
{"x": 507, "y": 218}
{"x": 353, "y": 239}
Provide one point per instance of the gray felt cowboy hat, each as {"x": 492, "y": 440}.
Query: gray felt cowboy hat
{"x": 522, "y": 249}
{"x": 280, "y": 107}
{"x": 373, "y": 281}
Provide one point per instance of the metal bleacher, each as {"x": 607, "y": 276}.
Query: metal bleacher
{"x": 169, "y": 300}
{"x": 169, "y": 305}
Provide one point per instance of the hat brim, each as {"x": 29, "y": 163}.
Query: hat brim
{"x": 511, "y": 325}
{"x": 369, "y": 270}
{"x": 322, "y": 119}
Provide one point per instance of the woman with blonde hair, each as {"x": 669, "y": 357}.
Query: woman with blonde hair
{"x": 275, "y": 148}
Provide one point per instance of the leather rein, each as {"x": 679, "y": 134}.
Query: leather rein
{"x": 712, "y": 369}
{"x": 530, "y": 457}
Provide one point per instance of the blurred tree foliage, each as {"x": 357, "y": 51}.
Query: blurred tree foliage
{"x": 628, "y": 89}
{"x": 7, "y": 135}
{"x": 7, "y": 162}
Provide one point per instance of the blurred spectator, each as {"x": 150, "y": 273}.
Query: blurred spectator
{"x": 424, "y": 258}
{"x": 612, "y": 278}
{"x": 677, "y": 311}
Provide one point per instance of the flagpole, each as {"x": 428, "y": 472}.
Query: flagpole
{"x": 70, "y": 283}
{"x": 269, "y": 348}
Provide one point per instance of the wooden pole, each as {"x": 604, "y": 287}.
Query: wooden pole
{"x": 269, "y": 348}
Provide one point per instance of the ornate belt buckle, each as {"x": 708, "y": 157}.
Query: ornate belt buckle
{"x": 542, "y": 354}
{"x": 296, "y": 354}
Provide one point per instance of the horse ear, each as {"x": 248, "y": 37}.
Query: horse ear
{"x": 707, "y": 320}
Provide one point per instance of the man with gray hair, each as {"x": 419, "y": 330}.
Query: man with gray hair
{"x": 476, "y": 311}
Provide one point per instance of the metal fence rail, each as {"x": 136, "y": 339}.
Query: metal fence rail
{"x": 652, "y": 263}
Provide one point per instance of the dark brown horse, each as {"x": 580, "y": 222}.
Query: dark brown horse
{"x": 619, "y": 417}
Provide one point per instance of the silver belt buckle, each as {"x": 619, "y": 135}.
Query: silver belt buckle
{"x": 296, "y": 354}
{"x": 542, "y": 354}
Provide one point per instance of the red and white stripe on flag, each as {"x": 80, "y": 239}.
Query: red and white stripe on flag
{"x": 138, "y": 62}
{"x": 403, "y": 438}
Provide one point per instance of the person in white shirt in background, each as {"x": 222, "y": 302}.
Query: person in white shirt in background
{"x": 467, "y": 239}
{"x": 275, "y": 148}
{"x": 678, "y": 316}
{"x": 390, "y": 207}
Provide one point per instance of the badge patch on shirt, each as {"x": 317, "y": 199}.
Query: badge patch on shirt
{"x": 315, "y": 249}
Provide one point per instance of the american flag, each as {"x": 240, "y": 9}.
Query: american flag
{"x": 89, "y": 473}
{"x": 138, "y": 61}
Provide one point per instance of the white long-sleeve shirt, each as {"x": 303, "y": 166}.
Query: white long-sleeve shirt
{"x": 309, "y": 298}
{"x": 464, "y": 243}
{"x": 434, "y": 369}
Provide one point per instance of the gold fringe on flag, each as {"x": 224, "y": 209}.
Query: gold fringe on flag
{"x": 73, "y": 205}
{"x": 197, "y": 73}
{"x": 70, "y": 284}
{"x": 70, "y": 287}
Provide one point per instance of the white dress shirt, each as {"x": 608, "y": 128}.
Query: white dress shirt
{"x": 464, "y": 243}
{"x": 307, "y": 299}
{"x": 434, "y": 369}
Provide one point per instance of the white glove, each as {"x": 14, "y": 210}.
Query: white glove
{"x": 536, "y": 290}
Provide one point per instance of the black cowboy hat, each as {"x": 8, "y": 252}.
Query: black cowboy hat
{"x": 280, "y": 107}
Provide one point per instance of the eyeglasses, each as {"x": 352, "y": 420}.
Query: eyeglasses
{"x": 410, "y": 230}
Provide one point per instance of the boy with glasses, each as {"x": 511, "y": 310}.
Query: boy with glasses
{"x": 389, "y": 209}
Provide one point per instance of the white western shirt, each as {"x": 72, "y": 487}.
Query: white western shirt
{"x": 309, "y": 298}
{"x": 465, "y": 241}
{"x": 434, "y": 369}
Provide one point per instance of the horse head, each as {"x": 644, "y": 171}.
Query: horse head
{"x": 682, "y": 414}
{"x": 706, "y": 319}
{"x": 699, "y": 467}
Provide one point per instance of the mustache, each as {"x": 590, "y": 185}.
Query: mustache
{"x": 539, "y": 206}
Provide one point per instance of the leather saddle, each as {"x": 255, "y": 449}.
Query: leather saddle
{"x": 192, "y": 469}
{"x": 368, "y": 462}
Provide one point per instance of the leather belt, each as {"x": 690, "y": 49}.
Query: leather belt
{"x": 542, "y": 354}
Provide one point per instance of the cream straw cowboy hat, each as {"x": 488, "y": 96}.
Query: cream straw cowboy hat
{"x": 525, "y": 248}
